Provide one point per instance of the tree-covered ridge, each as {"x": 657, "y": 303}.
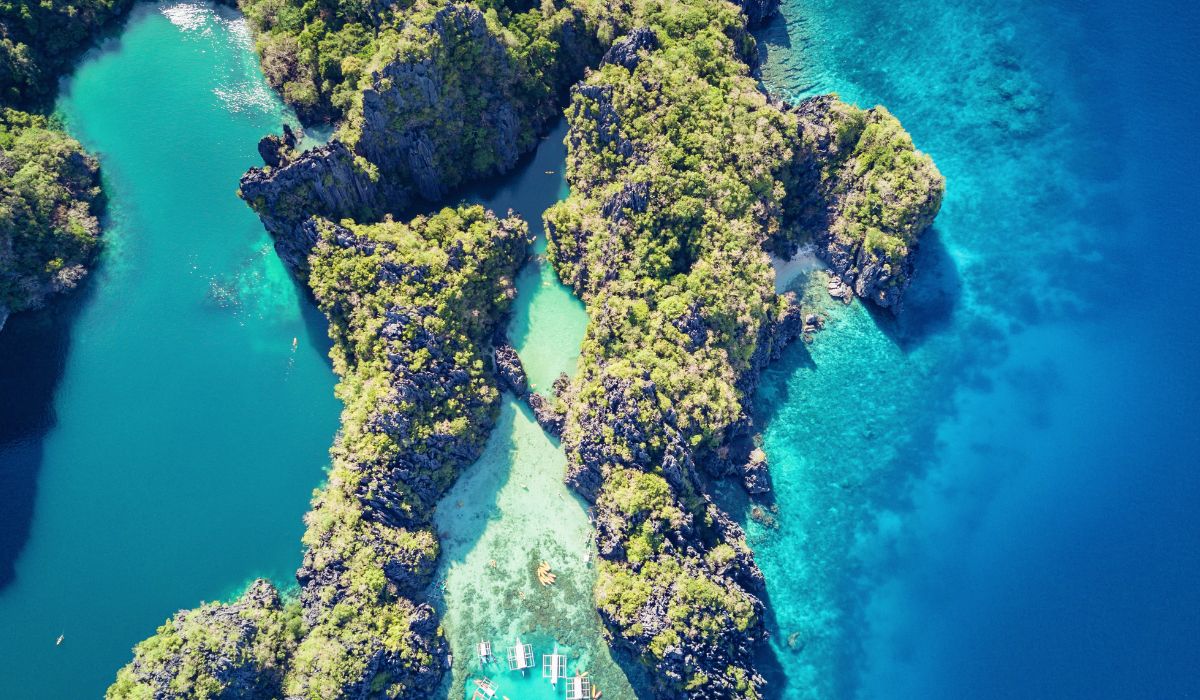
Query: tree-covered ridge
{"x": 452, "y": 94}
{"x": 49, "y": 200}
{"x": 674, "y": 162}
{"x": 40, "y": 41}
{"x": 412, "y": 310}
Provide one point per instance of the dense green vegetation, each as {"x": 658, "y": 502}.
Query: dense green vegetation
{"x": 49, "y": 199}
{"x": 40, "y": 41}
{"x": 682, "y": 171}
{"x": 860, "y": 182}
{"x": 412, "y": 309}
{"x": 49, "y": 188}
{"x": 674, "y": 165}
{"x": 321, "y": 55}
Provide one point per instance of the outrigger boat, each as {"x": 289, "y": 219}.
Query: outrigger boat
{"x": 520, "y": 657}
{"x": 579, "y": 688}
{"x": 554, "y": 666}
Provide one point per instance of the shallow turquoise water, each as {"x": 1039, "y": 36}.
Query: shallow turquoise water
{"x": 170, "y": 432}
{"x": 994, "y": 495}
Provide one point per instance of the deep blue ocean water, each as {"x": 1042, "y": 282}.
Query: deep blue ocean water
{"x": 995, "y": 494}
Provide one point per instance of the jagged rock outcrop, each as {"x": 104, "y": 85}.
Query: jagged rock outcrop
{"x": 276, "y": 151}
{"x": 548, "y": 413}
{"x": 509, "y": 369}
{"x": 628, "y": 50}
{"x": 238, "y": 650}
{"x": 755, "y": 475}
{"x": 327, "y": 182}
{"x": 862, "y": 193}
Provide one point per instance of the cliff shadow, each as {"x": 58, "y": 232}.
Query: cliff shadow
{"x": 772, "y": 35}
{"x": 766, "y": 657}
{"x": 314, "y": 321}
{"x": 34, "y": 346}
{"x": 932, "y": 298}
{"x": 774, "y": 390}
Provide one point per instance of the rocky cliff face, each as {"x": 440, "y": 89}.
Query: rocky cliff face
{"x": 327, "y": 182}
{"x": 434, "y": 118}
{"x": 447, "y": 102}
{"x": 758, "y": 11}
{"x": 862, "y": 193}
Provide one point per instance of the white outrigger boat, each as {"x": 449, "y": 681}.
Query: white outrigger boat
{"x": 554, "y": 666}
{"x": 520, "y": 657}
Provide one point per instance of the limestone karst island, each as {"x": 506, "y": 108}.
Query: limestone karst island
{"x": 664, "y": 349}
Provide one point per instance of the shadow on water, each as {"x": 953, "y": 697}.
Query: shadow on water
{"x": 772, "y": 36}
{"x": 931, "y": 300}
{"x": 795, "y": 357}
{"x": 766, "y": 658}
{"x": 471, "y": 531}
{"x": 314, "y": 320}
{"x": 33, "y": 355}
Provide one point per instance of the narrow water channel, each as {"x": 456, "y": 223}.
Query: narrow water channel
{"x": 162, "y": 430}
{"x": 510, "y": 511}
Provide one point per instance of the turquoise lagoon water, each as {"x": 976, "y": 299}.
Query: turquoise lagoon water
{"x": 511, "y": 510}
{"x": 994, "y": 495}
{"x": 160, "y": 430}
